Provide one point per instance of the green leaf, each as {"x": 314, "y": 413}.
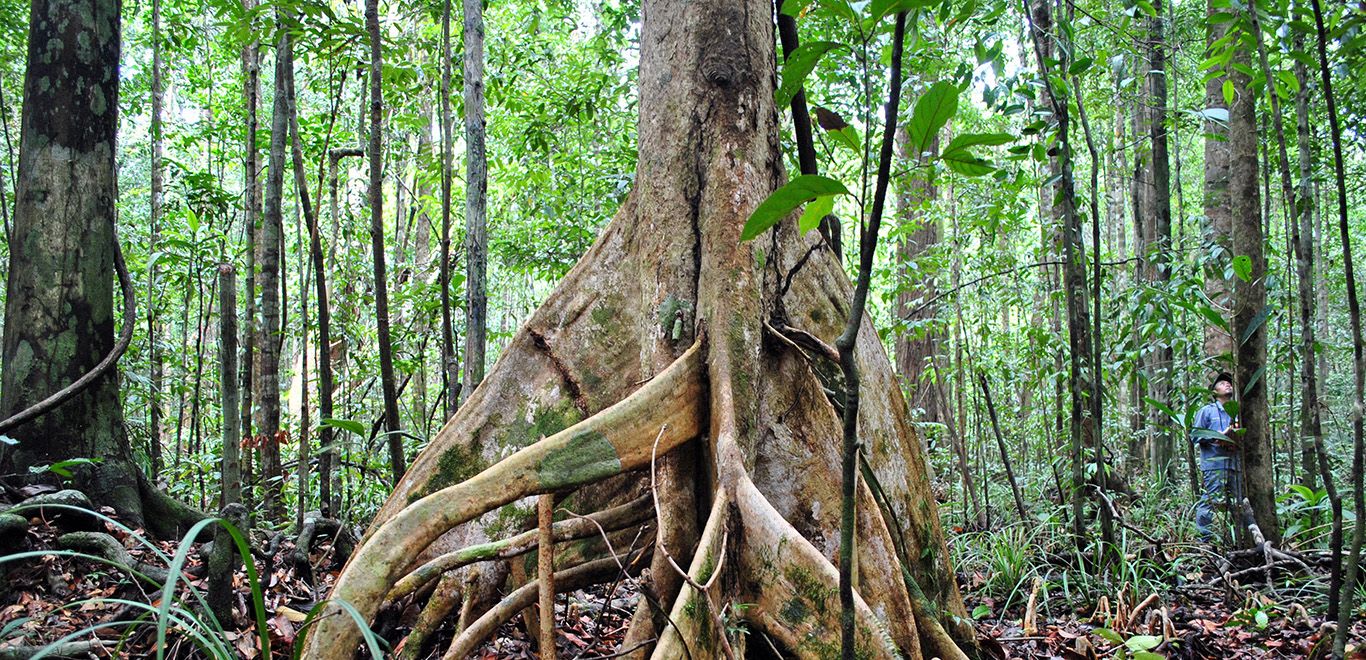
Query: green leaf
{"x": 1080, "y": 66}
{"x": 880, "y": 9}
{"x": 1231, "y": 407}
{"x": 1148, "y": 655}
{"x": 967, "y": 164}
{"x": 981, "y": 612}
{"x": 1228, "y": 92}
{"x": 1242, "y": 267}
{"x": 798, "y": 66}
{"x": 1143, "y": 642}
{"x": 1109, "y": 635}
{"x": 965, "y": 140}
{"x": 1213, "y": 316}
{"x": 817, "y": 209}
{"x": 192, "y": 218}
{"x": 932, "y": 111}
{"x": 344, "y": 424}
{"x": 848, "y": 138}
{"x": 783, "y": 200}
{"x": 1262, "y": 618}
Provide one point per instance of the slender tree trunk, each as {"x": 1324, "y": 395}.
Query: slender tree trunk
{"x": 251, "y": 70}
{"x": 1302, "y": 238}
{"x": 326, "y": 380}
{"x": 476, "y": 190}
{"x": 1353, "y": 560}
{"x": 1218, "y": 225}
{"x": 1155, "y": 179}
{"x": 1249, "y": 309}
{"x": 1064, "y": 212}
{"x": 1001, "y": 444}
{"x": 376, "y": 157}
{"x": 227, "y": 373}
{"x": 450, "y": 364}
{"x": 220, "y": 594}
{"x": 271, "y": 333}
{"x": 154, "y": 421}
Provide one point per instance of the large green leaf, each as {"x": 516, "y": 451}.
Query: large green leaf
{"x": 965, "y": 140}
{"x": 787, "y": 198}
{"x": 933, "y": 110}
{"x": 967, "y": 164}
{"x": 798, "y": 66}
{"x": 817, "y": 209}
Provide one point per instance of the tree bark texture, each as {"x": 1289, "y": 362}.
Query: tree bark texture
{"x": 476, "y": 201}
{"x": 1302, "y": 238}
{"x": 917, "y": 349}
{"x": 1249, "y": 303}
{"x": 450, "y": 365}
{"x": 657, "y": 339}
{"x": 59, "y": 314}
{"x": 153, "y": 288}
{"x": 375, "y": 153}
{"x": 251, "y": 70}
{"x": 1153, "y": 183}
{"x": 270, "y": 335}
{"x": 1218, "y": 223}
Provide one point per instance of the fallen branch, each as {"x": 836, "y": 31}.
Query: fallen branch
{"x": 64, "y": 650}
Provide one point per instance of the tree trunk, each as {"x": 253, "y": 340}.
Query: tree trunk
{"x": 1063, "y": 210}
{"x": 59, "y": 303}
{"x": 584, "y": 372}
{"x": 917, "y": 349}
{"x": 326, "y": 380}
{"x": 1218, "y": 224}
{"x": 270, "y": 334}
{"x": 476, "y": 191}
{"x": 153, "y": 288}
{"x": 1249, "y": 302}
{"x": 251, "y": 72}
{"x": 1302, "y": 238}
{"x": 376, "y": 194}
{"x": 450, "y": 364}
{"x": 1154, "y": 179}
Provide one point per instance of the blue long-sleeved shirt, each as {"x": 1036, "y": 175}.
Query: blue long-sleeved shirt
{"x": 1214, "y": 418}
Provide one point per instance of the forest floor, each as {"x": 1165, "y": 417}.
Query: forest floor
{"x": 48, "y": 597}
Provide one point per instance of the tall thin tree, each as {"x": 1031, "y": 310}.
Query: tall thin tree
{"x": 476, "y": 191}
{"x": 376, "y": 194}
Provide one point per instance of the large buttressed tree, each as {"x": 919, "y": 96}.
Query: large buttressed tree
{"x": 671, "y": 336}
{"x": 59, "y": 305}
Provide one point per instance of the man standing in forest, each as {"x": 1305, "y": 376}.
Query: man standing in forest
{"x": 1218, "y": 454}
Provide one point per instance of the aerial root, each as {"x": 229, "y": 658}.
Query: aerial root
{"x": 616, "y": 518}
{"x": 578, "y": 577}
{"x": 615, "y": 440}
